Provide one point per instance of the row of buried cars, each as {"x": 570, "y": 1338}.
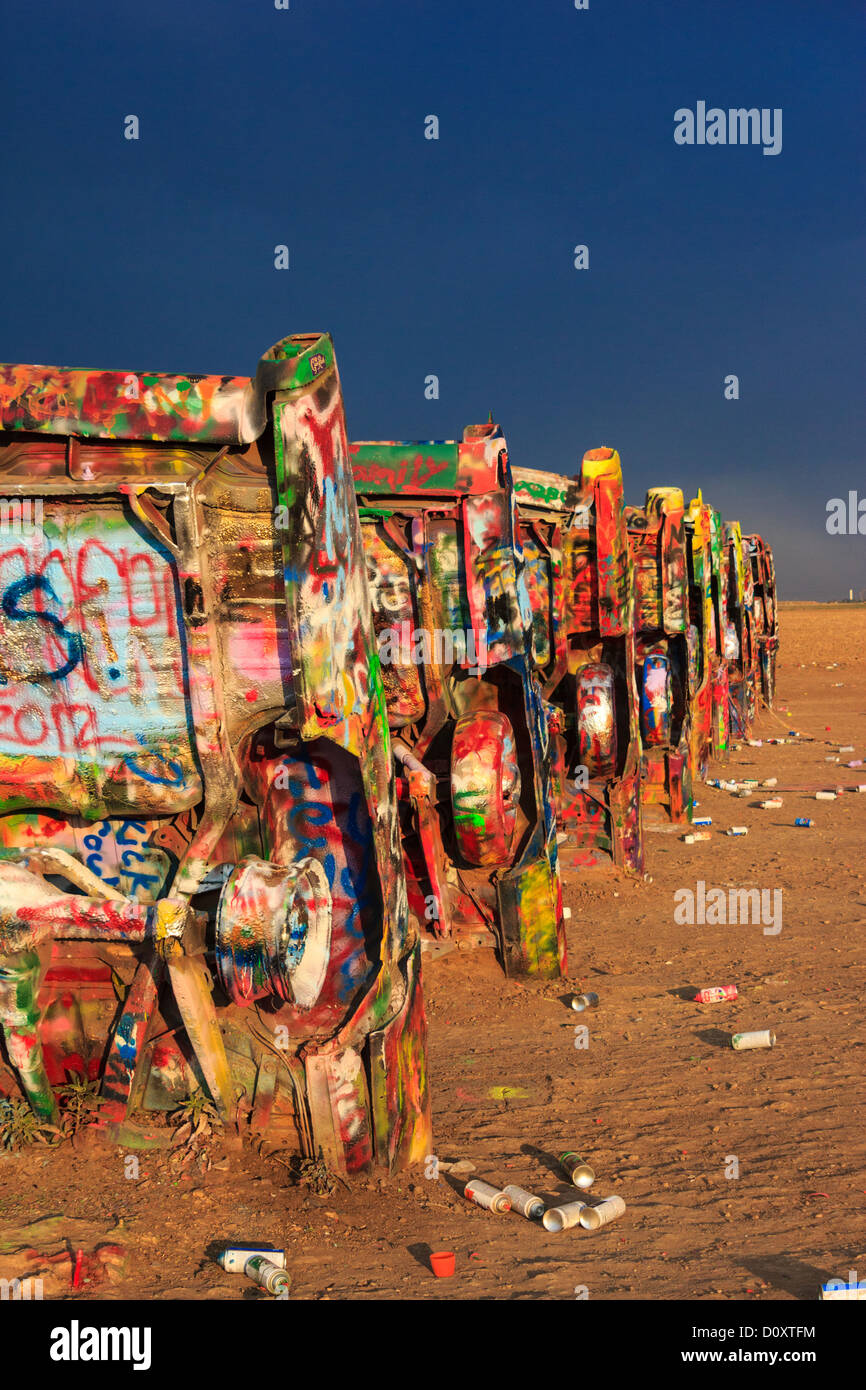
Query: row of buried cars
{"x": 278, "y": 711}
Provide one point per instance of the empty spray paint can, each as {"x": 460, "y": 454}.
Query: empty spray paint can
{"x": 702, "y": 820}
{"x": 803, "y": 820}
{"x": 770, "y": 805}
{"x": 738, "y": 830}
{"x": 825, "y": 796}
{"x": 770, "y": 782}
{"x": 561, "y": 1218}
{"x": 584, "y": 1001}
{"x": 578, "y": 1170}
{"x": 270, "y": 1276}
{"x": 523, "y": 1202}
{"x": 484, "y": 1195}
{"x": 233, "y": 1260}
{"x": 695, "y": 836}
{"x": 715, "y": 994}
{"x": 741, "y": 1042}
{"x": 608, "y": 1210}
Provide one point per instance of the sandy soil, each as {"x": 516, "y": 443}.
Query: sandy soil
{"x": 658, "y": 1101}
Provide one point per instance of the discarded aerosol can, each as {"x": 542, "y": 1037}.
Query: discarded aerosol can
{"x": 561, "y": 1218}
{"x": 803, "y": 820}
{"x": 262, "y": 1271}
{"x": 487, "y": 1196}
{"x": 584, "y": 1001}
{"x": 715, "y": 994}
{"x": 608, "y": 1210}
{"x": 234, "y": 1259}
{"x": 772, "y": 805}
{"x": 741, "y": 1042}
{"x": 825, "y": 796}
{"x": 770, "y": 782}
{"x": 523, "y": 1202}
{"x": 702, "y": 820}
{"x": 846, "y": 748}
{"x": 738, "y": 830}
{"x": 578, "y": 1170}
{"x": 696, "y": 836}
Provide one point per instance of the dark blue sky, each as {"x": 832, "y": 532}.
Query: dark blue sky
{"x": 455, "y": 256}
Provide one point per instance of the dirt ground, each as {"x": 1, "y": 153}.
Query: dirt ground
{"x": 658, "y": 1102}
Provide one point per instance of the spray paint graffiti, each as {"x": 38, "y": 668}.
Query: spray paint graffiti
{"x": 766, "y": 613}
{"x": 191, "y": 700}
{"x": 443, "y": 555}
{"x": 581, "y": 586}
{"x": 658, "y": 539}
{"x": 743, "y": 663}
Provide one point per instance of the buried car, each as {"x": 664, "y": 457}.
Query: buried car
{"x": 580, "y": 577}
{"x": 658, "y": 541}
{"x": 708, "y": 672}
{"x": 200, "y": 884}
{"x": 469, "y": 728}
{"x": 766, "y": 614}
{"x": 741, "y": 647}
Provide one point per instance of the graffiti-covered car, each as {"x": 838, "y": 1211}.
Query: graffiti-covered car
{"x": 469, "y": 730}
{"x": 580, "y": 578}
{"x": 708, "y": 672}
{"x": 721, "y": 693}
{"x": 201, "y": 884}
{"x": 658, "y": 541}
{"x": 766, "y": 613}
{"x": 741, "y": 647}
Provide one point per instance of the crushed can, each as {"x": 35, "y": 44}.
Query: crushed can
{"x": 715, "y": 994}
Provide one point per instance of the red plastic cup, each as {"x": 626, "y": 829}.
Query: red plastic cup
{"x": 442, "y": 1263}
